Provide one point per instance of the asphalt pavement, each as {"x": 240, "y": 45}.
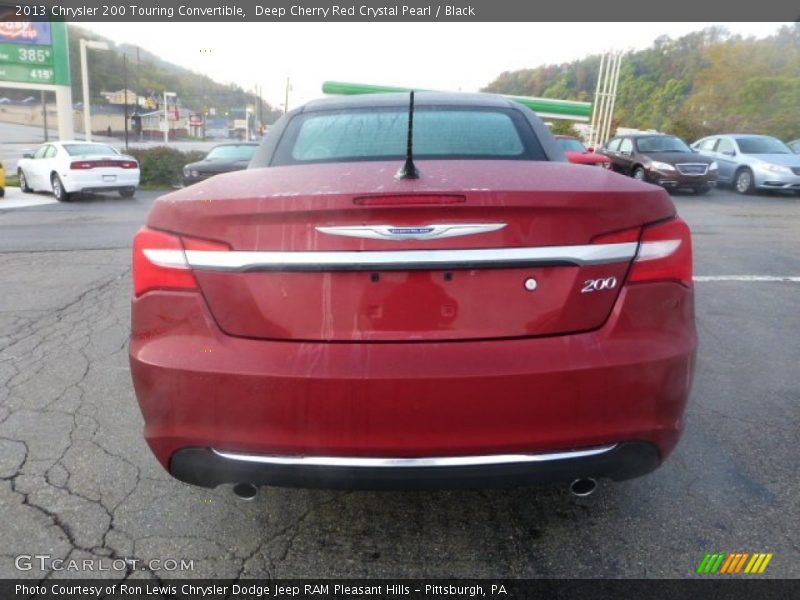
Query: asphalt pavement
{"x": 78, "y": 481}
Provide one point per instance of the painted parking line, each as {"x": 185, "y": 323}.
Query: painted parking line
{"x": 756, "y": 278}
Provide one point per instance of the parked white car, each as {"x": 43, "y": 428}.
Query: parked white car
{"x": 67, "y": 168}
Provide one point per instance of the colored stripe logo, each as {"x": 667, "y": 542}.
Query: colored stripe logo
{"x": 721, "y": 563}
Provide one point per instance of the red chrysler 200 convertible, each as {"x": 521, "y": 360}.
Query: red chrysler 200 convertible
{"x": 402, "y": 293}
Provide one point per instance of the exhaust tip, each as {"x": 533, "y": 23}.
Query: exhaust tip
{"x": 583, "y": 487}
{"x": 245, "y": 491}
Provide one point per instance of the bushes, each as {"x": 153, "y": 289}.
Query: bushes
{"x": 163, "y": 166}
{"x": 560, "y": 127}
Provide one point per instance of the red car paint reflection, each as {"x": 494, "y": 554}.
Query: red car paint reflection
{"x": 578, "y": 154}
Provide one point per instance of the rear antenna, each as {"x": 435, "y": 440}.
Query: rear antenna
{"x": 409, "y": 170}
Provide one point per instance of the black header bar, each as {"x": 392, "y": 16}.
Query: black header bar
{"x": 276, "y": 11}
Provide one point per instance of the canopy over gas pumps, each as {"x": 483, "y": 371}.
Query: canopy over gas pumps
{"x": 544, "y": 107}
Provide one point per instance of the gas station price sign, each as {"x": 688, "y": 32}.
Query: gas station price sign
{"x": 33, "y": 52}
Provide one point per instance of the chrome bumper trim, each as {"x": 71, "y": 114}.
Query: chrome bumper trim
{"x": 425, "y": 462}
{"x": 590, "y": 254}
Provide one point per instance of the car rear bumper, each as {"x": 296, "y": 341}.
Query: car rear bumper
{"x": 100, "y": 189}
{"x": 209, "y": 468}
{"x": 199, "y": 389}
{"x": 75, "y": 181}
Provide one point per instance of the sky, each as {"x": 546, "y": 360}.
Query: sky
{"x": 441, "y": 56}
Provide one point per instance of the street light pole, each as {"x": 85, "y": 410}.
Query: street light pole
{"x": 87, "y": 121}
{"x": 125, "y": 87}
{"x": 246, "y": 120}
{"x": 44, "y": 116}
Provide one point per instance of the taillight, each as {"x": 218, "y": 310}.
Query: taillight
{"x": 621, "y": 236}
{"x": 159, "y": 261}
{"x": 91, "y": 164}
{"x": 665, "y": 254}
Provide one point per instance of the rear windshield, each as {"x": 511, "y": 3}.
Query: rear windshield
{"x": 232, "y": 152}
{"x": 571, "y": 145}
{"x": 762, "y": 145}
{"x": 662, "y": 143}
{"x": 381, "y": 134}
{"x": 88, "y": 149}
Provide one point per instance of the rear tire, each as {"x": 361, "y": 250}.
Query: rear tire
{"x": 23, "y": 183}
{"x": 743, "y": 181}
{"x": 127, "y": 192}
{"x": 58, "y": 189}
{"x": 639, "y": 174}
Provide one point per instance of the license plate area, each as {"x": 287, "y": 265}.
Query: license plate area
{"x": 414, "y": 305}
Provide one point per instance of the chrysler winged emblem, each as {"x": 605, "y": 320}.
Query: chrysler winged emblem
{"x": 417, "y": 232}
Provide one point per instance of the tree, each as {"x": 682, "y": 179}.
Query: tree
{"x": 702, "y": 83}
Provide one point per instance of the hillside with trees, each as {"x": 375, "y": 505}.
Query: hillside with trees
{"x": 149, "y": 75}
{"x": 705, "y": 82}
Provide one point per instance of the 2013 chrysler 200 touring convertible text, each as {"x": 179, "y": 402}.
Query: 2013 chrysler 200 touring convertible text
{"x": 324, "y": 319}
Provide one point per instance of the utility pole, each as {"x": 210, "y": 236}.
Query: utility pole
{"x": 595, "y": 122}
{"x": 613, "y": 95}
{"x": 204, "y": 112}
{"x": 138, "y": 81}
{"x": 286, "y": 98}
{"x": 261, "y": 109}
{"x": 257, "y": 124}
{"x": 44, "y": 116}
{"x": 604, "y": 98}
{"x": 125, "y": 87}
{"x": 166, "y": 116}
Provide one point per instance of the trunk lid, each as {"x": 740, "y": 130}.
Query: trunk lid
{"x": 471, "y": 250}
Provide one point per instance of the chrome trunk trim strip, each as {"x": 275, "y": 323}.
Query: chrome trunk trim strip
{"x": 592, "y": 254}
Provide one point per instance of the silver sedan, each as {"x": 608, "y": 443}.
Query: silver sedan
{"x": 752, "y": 162}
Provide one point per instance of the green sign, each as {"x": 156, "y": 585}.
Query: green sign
{"x": 34, "y": 53}
{"x": 551, "y": 107}
{"x": 26, "y": 74}
{"x": 23, "y": 54}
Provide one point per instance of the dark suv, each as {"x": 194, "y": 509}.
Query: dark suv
{"x": 662, "y": 159}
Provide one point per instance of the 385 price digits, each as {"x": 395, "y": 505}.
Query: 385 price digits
{"x": 32, "y": 55}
